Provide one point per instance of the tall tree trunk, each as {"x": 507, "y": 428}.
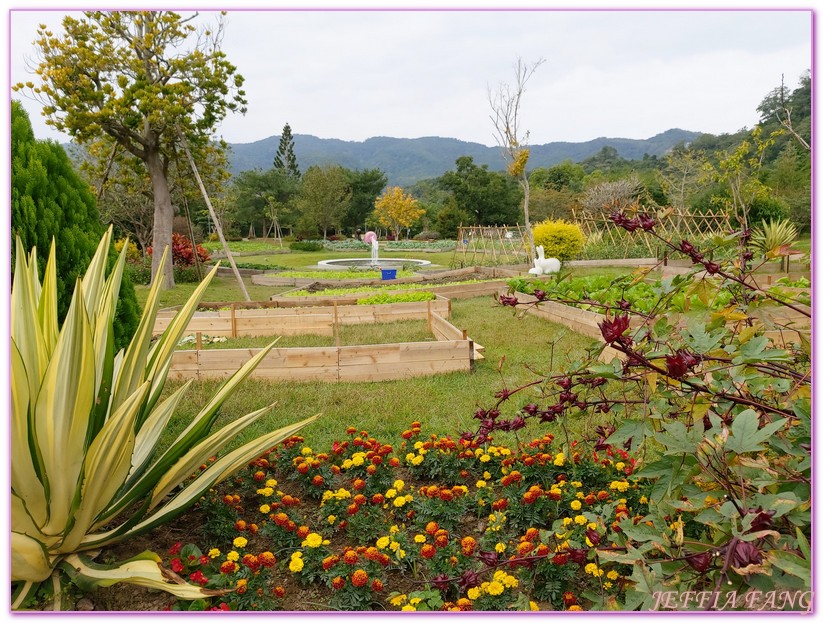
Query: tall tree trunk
{"x": 163, "y": 219}
{"x": 524, "y": 182}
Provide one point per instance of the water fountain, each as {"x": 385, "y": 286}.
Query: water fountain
{"x": 371, "y": 263}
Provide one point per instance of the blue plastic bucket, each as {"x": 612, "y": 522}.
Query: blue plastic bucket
{"x": 388, "y": 273}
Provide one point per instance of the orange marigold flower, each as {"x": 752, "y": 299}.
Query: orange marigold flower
{"x": 318, "y": 481}
{"x": 446, "y": 495}
{"x": 337, "y": 583}
{"x": 359, "y": 578}
{"x": 359, "y": 499}
{"x": 372, "y": 553}
{"x": 303, "y": 468}
{"x": 267, "y": 559}
{"x": 351, "y": 430}
{"x": 253, "y": 528}
{"x": 350, "y": 557}
{"x": 590, "y": 499}
{"x": 532, "y": 534}
{"x": 279, "y": 591}
{"x": 569, "y": 599}
{"x": 602, "y": 495}
{"x": 394, "y": 462}
{"x": 303, "y": 532}
{"x": 240, "y": 525}
{"x": 428, "y": 551}
{"x": 227, "y": 567}
{"x": 525, "y": 547}
{"x": 377, "y": 499}
{"x": 377, "y": 586}
{"x": 359, "y": 484}
{"x": 371, "y": 470}
{"x": 352, "y": 509}
{"x": 330, "y": 561}
{"x": 259, "y": 476}
{"x": 432, "y": 527}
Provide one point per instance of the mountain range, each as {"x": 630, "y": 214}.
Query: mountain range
{"x": 408, "y": 160}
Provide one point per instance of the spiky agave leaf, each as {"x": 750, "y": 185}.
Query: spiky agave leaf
{"x": 85, "y": 427}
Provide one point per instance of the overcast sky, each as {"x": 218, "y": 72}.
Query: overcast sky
{"x": 356, "y": 74}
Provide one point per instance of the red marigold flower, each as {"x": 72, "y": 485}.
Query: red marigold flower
{"x": 175, "y": 549}
{"x": 352, "y": 509}
{"x": 394, "y": 462}
{"x": 335, "y": 469}
{"x": 406, "y": 434}
{"x": 377, "y": 460}
{"x": 542, "y": 549}
{"x": 330, "y": 561}
{"x": 372, "y": 553}
{"x": 358, "y": 484}
{"x": 560, "y": 559}
{"x": 267, "y": 559}
{"x": 303, "y": 532}
{"x": 377, "y": 586}
{"x": 240, "y": 525}
{"x": 525, "y": 547}
{"x": 227, "y": 567}
{"x": 432, "y": 527}
{"x": 351, "y": 430}
{"x": 259, "y": 476}
{"x": 359, "y": 499}
{"x": 569, "y": 599}
{"x": 279, "y": 591}
{"x": 590, "y": 498}
{"x": 446, "y": 495}
{"x": 291, "y": 526}
{"x": 359, "y": 578}
{"x": 428, "y": 551}
{"x": 281, "y": 519}
{"x": 377, "y": 499}
{"x": 602, "y": 495}
{"x": 350, "y": 557}
{"x": 288, "y": 500}
{"x": 501, "y": 504}
{"x": 338, "y": 582}
{"x": 318, "y": 481}
{"x": 253, "y": 528}
{"x": 250, "y": 560}
{"x": 371, "y": 470}
{"x": 303, "y": 468}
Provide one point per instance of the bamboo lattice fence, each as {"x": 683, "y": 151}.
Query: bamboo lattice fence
{"x": 671, "y": 224}
{"x": 490, "y": 246}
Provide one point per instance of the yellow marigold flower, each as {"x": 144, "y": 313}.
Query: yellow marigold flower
{"x": 391, "y": 493}
{"x": 566, "y": 521}
{"x": 495, "y": 588}
{"x": 394, "y": 545}
{"x": 607, "y": 584}
{"x": 579, "y": 495}
{"x": 419, "y": 538}
{"x": 417, "y": 460}
{"x": 240, "y": 542}
{"x": 265, "y": 509}
{"x": 331, "y": 519}
{"x": 480, "y": 484}
{"x": 555, "y": 490}
{"x": 581, "y": 520}
{"x": 266, "y": 492}
{"x": 485, "y": 458}
{"x": 271, "y": 482}
{"x": 312, "y": 540}
{"x": 401, "y": 553}
{"x": 415, "y": 600}
{"x": 396, "y": 601}
{"x": 408, "y": 608}
{"x": 399, "y": 502}
{"x": 382, "y": 542}
{"x": 306, "y": 451}
{"x": 619, "y": 485}
{"x": 500, "y": 548}
{"x": 296, "y": 565}
{"x": 576, "y": 505}
{"x": 358, "y": 459}
{"x": 233, "y": 556}
{"x": 575, "y": 608}
{"x": 326, "y": 542}
{"x": 409, "y": 456}
{"x": 394, "y": 529}
{"x": 399, "y": 484}
{"x": 612, "y": 575}
{"x": 486, "y": 476}
{"x": 214, "y": 552}
{"x": 533, "y": 606}
{"x": 473, "y": 593}
{"x": 590, "y": 568}
{"x": 418, "y": 445}
{"x": 643, "y": 499}
{"x": 505, "y": 451}
{"x": 347, "y": 464}
{"x": 576, "y": 484}
{"x": 619, "y": 465}
{"x": 559, "y": 459}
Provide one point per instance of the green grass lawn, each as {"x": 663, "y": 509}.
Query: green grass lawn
{"x": 443, "y": 404}
{"x": 221, "y": 289}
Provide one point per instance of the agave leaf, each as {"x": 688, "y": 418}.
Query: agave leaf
{"x": 23, "y": 591}
{"x": 24, "y": 479}
{"x": 132, "y": 371}
{"x": 29, "y": 559}
{"x": 198, "y": 454}
{"x": 217, "y": 472}
{"x": 24, "y": 523}
{"x": 144, "y": 449}
{"x": 47, "y": 303}
{"x": 61, "y": 413}
{"x": 108, "y": 461}
{"x": 95, "y": 277}
{"x": 142, "y": 570}
{"x": 25, "y": 330}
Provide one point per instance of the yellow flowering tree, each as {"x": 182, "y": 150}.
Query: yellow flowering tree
{"x": 395, "y": 209}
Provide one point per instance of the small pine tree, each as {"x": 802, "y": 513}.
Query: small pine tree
{"x": 284, "y": 159}
{"x": 49, "y": 201}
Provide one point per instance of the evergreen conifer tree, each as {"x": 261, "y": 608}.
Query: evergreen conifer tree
{"x": 284, "y": 159}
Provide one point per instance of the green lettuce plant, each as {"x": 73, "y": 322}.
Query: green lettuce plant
{"x": 87, "y": 470}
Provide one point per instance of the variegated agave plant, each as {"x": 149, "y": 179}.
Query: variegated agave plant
{"x": 85, "y": 425}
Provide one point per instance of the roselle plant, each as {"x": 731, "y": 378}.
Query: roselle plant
{"x": 721, "y": 415}
{"x": 87, "y": 471}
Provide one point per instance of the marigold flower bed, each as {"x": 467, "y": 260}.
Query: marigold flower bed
{"x": 422, "y": 523}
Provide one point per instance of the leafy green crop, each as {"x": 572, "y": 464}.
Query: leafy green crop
{"x": 406, "y": 297}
